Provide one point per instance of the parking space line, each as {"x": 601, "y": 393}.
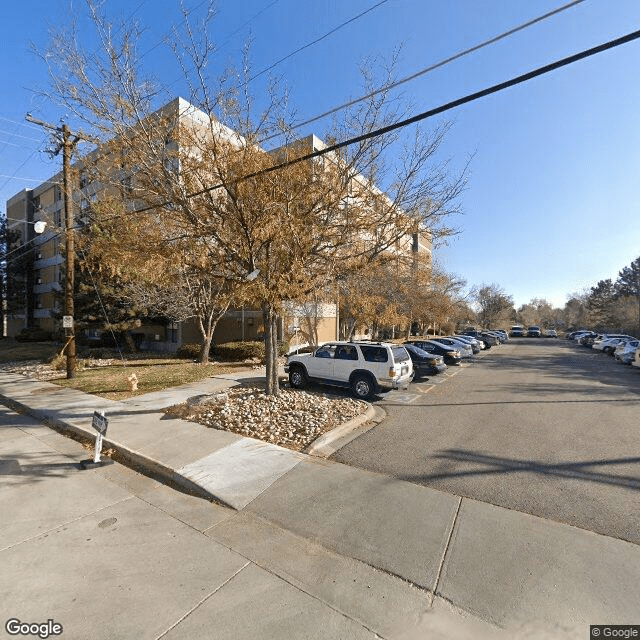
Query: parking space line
{"x": 425, "y": 389}
{"x": 405, "y": 398}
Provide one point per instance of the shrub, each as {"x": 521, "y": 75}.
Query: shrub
{"x": 189, "y": 351}
{"x": 238, "y": 351}
{"x": 34, "y": 335}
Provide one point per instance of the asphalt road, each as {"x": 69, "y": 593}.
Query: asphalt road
{"x": 537, "y": 425}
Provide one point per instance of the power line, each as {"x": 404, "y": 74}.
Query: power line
{"x": 242, "y": 26}
{"x": 17, "y": 135}
{"x": 15, "y": 177}
{"x": 4, "y": 184}
{"x": 319, "y": 39}
{"x": 432, "y": 67}
{"x": 22, "y": 124}
{"x": 226, "y": 42}
{"x": 424, "y": 115}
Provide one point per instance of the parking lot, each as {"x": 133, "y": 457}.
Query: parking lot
{"x": 537, "y": 425}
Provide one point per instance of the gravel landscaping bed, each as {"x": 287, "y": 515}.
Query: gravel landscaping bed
{"x": 293, "y": 419}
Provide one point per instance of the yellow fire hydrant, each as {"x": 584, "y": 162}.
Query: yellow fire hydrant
{"x": 133, "y": 382}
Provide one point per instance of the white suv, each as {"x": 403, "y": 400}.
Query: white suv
{"x": 366, "y": 367}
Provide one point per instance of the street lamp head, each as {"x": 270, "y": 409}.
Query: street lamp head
{"x": 40, "y": 226}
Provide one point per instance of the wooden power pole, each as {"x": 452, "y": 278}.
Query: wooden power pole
{"x": 66, "y": 142}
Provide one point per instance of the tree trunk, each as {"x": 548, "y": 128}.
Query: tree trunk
{"x": 206, "y": 333}
{"x": 270, "y": 320}
{"x": 129, "y": 340}
{"x": 205, "y": 347}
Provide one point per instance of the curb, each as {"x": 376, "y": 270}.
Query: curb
{"x": 327, "y": 444}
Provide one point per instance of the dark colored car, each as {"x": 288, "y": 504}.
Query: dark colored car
{"x": 450, "y": 355}
{"x": 473, "y": 333}
{"x": 471, "y": 341}
{"x": 424, "y": 363}
{"x": 534, "y": 331}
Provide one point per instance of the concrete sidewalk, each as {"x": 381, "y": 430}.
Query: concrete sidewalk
{"x": 529, "y": 576}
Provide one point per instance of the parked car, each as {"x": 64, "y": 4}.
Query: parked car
{"x": 464, "y": 348}
{"x": 501, "y": 332}
{"x": 608, "y": 345}
{"x": 517, "y": 331}
{"x": 636, "y": 358}
{"x": 490, "y": 338}
{"x": 551, "y": 333}
{"x": 576, "y": 335}
{"x": 424, "y": 363}
{"x": 534, "y": 331}
{"x": 367, "y": 368}
{"x": 587, "y": 339}
{"x": 608, "y": 342}
{"x": 450, "y": 355}
{"x": 474, "y": 335}
{"x": 472, "y": 342}
{"x": 626, "y": 351}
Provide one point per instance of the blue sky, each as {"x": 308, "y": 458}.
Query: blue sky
{"x": 551, "y": 205}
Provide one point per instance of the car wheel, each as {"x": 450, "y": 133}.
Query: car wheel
{"x": 362, "y": 387}
{"x": 297, "y": 377}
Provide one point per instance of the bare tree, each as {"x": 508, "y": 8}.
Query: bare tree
{"x": 209, "y": 197}
{"x": 495, "y": 305}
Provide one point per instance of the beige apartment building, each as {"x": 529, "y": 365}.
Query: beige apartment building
{"x": 42, "y": 272}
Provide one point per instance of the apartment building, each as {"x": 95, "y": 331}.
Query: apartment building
{"x": 36, "y": 265}
{"x": 42, "y": 270}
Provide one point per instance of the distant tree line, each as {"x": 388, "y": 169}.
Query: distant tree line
{"x": 610, "y": 305}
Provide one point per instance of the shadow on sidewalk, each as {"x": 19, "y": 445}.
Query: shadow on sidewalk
{"x": 29, "y": 473}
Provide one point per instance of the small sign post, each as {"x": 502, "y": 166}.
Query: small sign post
{"x": 67, "y": 322}
{"x": 100, "y": 424}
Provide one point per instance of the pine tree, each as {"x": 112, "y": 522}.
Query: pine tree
{"x": 601, "y": 304}
{"x": 628, "y": 284}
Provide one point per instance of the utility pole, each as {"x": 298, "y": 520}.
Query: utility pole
{"x": 66, "y": 142}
